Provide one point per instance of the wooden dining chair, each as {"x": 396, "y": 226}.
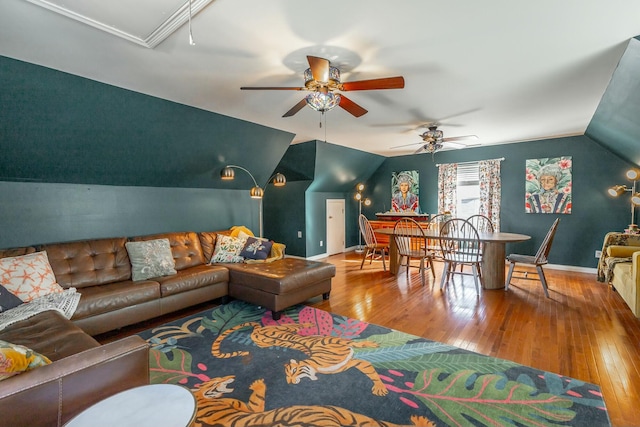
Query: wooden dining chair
{"x": 372, "y": 247}
{"x": 412, "y": 248}
{"x": 481, "y": 223}
{"x": 460, "y": 245}
{"x": 433, "y": 244}
{"x": 537, "y": 260}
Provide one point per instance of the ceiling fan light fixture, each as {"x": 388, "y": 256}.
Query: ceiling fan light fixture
{"x": 332, "y": 81}
{"x": 433, "y": 146}
{"x": 433, "y": 134}
{"x": 323, "y": 101}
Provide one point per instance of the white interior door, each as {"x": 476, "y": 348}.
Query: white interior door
{"x": 335, "y": 226}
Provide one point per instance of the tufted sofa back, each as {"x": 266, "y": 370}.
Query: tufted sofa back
{"x": 89, "y": 262}
{"x": 185, "y": 247}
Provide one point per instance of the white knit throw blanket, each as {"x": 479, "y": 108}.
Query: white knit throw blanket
{"x": 65, "y": 302}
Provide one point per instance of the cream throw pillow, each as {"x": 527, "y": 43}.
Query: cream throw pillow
{"x": 228, "y": 249}
{"x": 28, "y": 276}
{"x": 150, "y": 258}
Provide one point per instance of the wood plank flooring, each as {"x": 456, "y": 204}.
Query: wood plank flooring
{"x": 584, "y": 330}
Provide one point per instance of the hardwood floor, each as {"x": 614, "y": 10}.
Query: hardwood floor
{"x": 584, "y": 330}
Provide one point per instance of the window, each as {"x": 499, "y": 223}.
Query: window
{"x": 468, "y": 189}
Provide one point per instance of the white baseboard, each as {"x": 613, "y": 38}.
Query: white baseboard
{"x": 577, "y": 269}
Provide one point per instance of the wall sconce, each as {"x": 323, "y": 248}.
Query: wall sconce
{"x": 618, "y": 190}
{"x": 228, "y": 174}
{"x": 367, "y": 202}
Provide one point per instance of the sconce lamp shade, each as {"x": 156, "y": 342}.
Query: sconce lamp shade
{"x": 358, "y": 196}
{"x": 635, "y": 199}
{"x": 617, "y": 190}
{"x": 360, "y": 187}
{"x": 633, "y": 174}
{"x": 367, "y": 202}
{"x": 279, "y": 180}
{"x": 227, "y": 173}
{"x": 256, "y": 192}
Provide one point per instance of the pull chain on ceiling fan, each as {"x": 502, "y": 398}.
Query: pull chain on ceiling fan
{"x": 323, "y": 81}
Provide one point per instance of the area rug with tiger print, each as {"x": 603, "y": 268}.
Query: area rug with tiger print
{"x": 314, "y": 368}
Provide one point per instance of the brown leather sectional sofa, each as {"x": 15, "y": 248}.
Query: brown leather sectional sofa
{"x": 84, "y": 372}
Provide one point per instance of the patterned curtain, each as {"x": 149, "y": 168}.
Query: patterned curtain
{"x": 490, "y": 187}
{"x": 447, "y": 183}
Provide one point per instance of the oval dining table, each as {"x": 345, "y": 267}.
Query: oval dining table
{"x": 494, "y": 253}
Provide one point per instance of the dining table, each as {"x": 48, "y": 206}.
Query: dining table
{"x": 493, "y": 256}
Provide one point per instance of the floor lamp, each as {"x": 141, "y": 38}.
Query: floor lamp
{"x": 228, "y": 174}
{"x": 367, "y": 202}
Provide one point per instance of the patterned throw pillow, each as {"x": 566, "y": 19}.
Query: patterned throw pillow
{"x": 8, "y": 300}
{"x": 150, "y": 258}
{"x": 16, "y": 358}
{"x": 28, "y": 276}
{"x": 228, "y": 249}
{"x": 256, "y": 248}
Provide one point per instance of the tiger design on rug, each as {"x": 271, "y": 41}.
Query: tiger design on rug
{"x": 214, "y": 409}
{"x": 327, "y": 355}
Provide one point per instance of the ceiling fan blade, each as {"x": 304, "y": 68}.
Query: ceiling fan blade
{"x": 351, "y": 106}
{"x": 460, "y": 138}
{"x": 299, "y": 106}
{"x": 421, "y": 149}
{"x": 272, "y": 88}
{"x": 460, "y": 145}
{"x": 406, "y": 145}
{"x": 319, "y": 68}
{"x": 384, "y": 83}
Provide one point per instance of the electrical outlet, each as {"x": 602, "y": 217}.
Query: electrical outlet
{"x": 598, "y": 254}
{"x": 321, "y": 243}
{"x": 299, "y": 234}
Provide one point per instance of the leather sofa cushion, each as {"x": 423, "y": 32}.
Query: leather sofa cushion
{"x": 114, "y": 296}
{"x": 5, "y": 253}
{"x": 49, "y": 333}
{"x": 192, "y": 278}
{"x": 185, "y": 247}
{"x": 89, "y": 262}
{"x": 281, "y": 276}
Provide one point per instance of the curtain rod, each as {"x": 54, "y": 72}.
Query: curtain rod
{"x": 475, "y": 161}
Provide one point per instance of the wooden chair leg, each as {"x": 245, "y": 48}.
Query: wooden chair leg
{"x": 508, "y": 282}
{"x": 543, "y": 279}
{"x": 433, "y": 271}
{"x": 384, "y": 264}
{"x": 445, "y": 273}
{"x": 364, "y": 256}
{"x": 475, "y": 269}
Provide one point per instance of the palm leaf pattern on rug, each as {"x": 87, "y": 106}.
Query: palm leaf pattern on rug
{"x": 426, "y": 381}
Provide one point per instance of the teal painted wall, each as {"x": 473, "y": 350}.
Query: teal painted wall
{"x": 593, "y": 215}
{"x": 615, "y": 123}
{"x": 328, "y": 171}
{"x": 57, "y": 127}
{"x": 35, "y": 213}
{"x": 82, "y": 159}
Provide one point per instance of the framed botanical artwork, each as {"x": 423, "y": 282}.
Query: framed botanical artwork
{"x": 548, "y": 185}
{"x": 405, "y": 190}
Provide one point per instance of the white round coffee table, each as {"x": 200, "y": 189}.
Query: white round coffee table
{"x": 157, "y": 405}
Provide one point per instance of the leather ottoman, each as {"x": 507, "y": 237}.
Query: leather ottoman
{"x": 280, "y": 284}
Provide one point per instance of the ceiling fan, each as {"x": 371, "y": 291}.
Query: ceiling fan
{"x": 323, "y": 81}
{"x": 433, "y": 140}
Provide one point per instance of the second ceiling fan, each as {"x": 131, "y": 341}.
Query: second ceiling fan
{"x": 433, "y": 140}
{"x": 323, "y": 81}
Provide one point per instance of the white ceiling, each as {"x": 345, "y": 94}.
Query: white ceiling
{"x": 504, "y": 70}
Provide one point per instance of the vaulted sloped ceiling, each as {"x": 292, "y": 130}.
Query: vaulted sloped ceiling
{"x": 56, "y": 127}
{"x": 616, "y": 122}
